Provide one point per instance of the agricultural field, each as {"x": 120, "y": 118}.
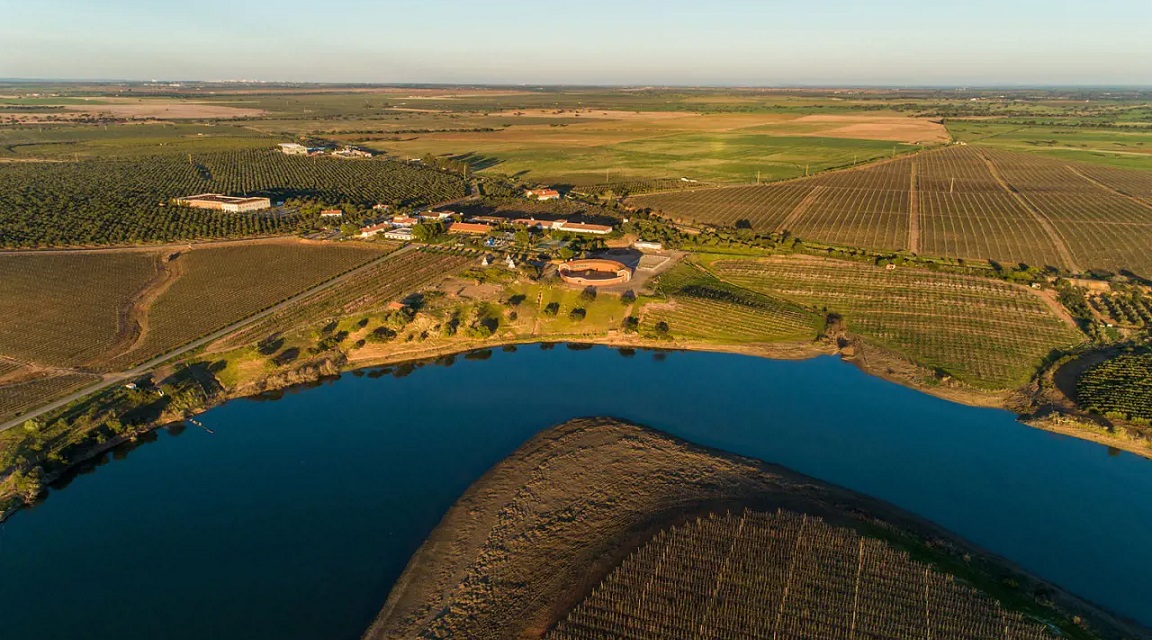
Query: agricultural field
{"x": 1119, "y": 387}
{"x": 223, "y": 284}
{"x": 1113, "y": 142}
{"x": 783, "y": 575}
{"x": 93, "y": 202}
{"x": 78, "y": 141}
{"x": 632, "y": 149}
{"x": 20, "y": 396}
{"x": 64, "y": 309}
{"x": 702, "y": 307}
{"x": 986, "y": 333}
{"x": 962, "y": 202}
{"x": 389, "y": 280}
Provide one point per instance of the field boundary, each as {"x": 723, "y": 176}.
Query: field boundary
{"x": 1045, "y": 223}
{"x": 914, "y": 212}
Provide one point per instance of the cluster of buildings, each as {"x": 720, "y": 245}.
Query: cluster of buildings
{"x": 295, "y": 149}
{"x": 231, "y": 204}
{"x": 400, "y": 227}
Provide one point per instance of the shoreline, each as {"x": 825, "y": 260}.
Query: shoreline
{"x": 871, "y": 360}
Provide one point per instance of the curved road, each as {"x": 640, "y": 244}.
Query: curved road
{"x": 120, "y": 376}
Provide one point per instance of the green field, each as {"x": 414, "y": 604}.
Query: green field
{"x": 986, "y": 333}
{"x": 701, "y": 307}
{"x": 1129, "y": 147}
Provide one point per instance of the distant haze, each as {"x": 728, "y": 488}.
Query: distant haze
{"x": 765, "y": 42}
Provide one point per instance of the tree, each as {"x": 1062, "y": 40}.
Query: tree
{"x": 662, "y": 329}
{"x": 349, "y": 230}
{"x": 577, "y": 314}
{"x": 29, "y": 484}
{"x": 588, "y": 294}
{"x": 426, "y": 231}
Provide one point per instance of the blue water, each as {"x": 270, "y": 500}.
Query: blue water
{"x": 294, "y": 518}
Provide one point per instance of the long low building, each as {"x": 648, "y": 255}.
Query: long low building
{"x": 563, "y": 225}
{"x": 220, "y": 202}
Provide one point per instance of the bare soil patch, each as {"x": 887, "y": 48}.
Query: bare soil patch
{"x": 895, "y": 128}
{"x": 163, "y": 110}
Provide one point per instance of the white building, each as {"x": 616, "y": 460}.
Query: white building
{"x": 293, "y": 149}
{"x": 225, "y": 203}
{"x": 404, "y": 234}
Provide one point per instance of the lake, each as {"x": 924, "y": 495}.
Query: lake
{"x": 294, "y": 516}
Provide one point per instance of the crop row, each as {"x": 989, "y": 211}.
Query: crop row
{"x": 1120, "y": 386}
{"x": 126, "y": 201}
{"x": 785, "y": 575}
{"x": 984, "y": 332}
{"x": 973, "y": 203}
{"x": 63, "y": 309}
{"x": 387, "y": 281}
{"x": 221, "y": 285}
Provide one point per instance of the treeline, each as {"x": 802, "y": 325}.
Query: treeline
{"x": 129, "y": 201}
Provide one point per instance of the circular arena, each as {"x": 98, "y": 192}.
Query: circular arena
{"x": 594, "y": 272}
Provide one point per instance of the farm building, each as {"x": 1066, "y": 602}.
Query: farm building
{"x": 381, "y": 207}
{"x": 542, "y": 194}
{"x": 402, "y": 234}
{"x": 331, "y": 213}
{"x": 373, "y": 229}
{"x": 436, "y": 215}
{"x": 293, "y": 149}
{"x": 352, "y": 152}
{"x": 404, "y": 221}
{"x": 564, "y": 225}
{"x": 469, "y": 227}
{"x": 647, "y": 245}
{"x": 579, "y": 227}
{"x": 220, "y": 202}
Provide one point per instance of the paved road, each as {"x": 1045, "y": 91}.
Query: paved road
{"x": 121, "y": 376}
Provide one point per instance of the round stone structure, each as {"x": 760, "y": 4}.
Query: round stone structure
{"x": 594, "y": 272}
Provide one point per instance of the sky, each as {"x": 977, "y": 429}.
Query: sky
{"x": 630, "y": 42}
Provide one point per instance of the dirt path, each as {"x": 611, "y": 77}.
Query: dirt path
{"x": 800, "y": 209}
{"x": 1049, "y": 298}
{"x": 133, "y": 320}
{"x": 1045, "y": 223}
{"x": 914, "y": 213}
{"x": 1109, "y": 189}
